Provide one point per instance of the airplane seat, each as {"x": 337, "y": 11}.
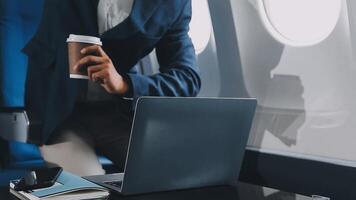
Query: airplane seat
{"x": 18, "y": 22}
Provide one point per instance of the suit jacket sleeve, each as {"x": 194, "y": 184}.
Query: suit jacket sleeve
{"x": 179, "y": 75}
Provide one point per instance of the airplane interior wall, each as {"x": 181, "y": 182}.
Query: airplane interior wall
{"x": 306, "y": 94}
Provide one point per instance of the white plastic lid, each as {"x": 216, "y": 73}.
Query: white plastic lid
{"x": 84, "y": 39}
{"x": 300, "y": 22}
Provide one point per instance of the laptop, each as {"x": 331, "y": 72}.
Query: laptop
{"x": 183, "y": 143}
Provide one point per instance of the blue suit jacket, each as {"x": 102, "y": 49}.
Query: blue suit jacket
{"x": 160, "y": 24}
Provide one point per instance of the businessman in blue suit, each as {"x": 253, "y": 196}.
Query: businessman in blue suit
{"x": 98, "y": 114}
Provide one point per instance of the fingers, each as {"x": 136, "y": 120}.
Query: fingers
{"x": 108, "y": 78}
{"x": 94, "y": 50}
{"x": 94, "y": 69}
{"x": 89, "y": 60}
{"x": 100, "y": 76}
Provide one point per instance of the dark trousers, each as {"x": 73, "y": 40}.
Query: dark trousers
{"x": 108, "y": 124}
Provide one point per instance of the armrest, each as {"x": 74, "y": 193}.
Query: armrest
{"x": 19, "y": 125}
{"x": 14, "y": 124}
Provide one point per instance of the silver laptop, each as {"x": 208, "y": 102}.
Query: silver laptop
{"x": 181, "y": 143}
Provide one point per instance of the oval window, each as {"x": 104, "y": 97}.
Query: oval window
{"x": 299, "y": 22}
{"x": 201, "y": 25}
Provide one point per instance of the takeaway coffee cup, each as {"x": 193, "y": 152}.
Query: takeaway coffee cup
{"x": 75, "y": 44}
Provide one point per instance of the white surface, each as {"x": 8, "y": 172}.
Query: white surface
{"x": 352, "y": 20}
{"x": 84, "y": 39}
{"x": 299, "y": 22}
{"x": 83, "y": 161}
{"x": 306, "y": 95}
{"x": 201, "y": 25}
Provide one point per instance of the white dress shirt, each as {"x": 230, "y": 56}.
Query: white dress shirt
{"x": 110, "y": 14}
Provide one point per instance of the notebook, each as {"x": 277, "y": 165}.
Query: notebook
{"x": 67, "y": 186}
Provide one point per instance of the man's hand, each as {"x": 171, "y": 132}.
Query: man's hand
{"x": 102, "y": 70}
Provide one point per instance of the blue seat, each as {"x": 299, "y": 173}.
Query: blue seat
{"x": 18, "y": 22}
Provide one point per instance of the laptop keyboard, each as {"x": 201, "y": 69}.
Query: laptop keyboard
{"x": 114, "y": 183}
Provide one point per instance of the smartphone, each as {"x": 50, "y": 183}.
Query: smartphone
{"x": 39, "y": 178}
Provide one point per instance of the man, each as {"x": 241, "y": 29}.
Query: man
{"x": 77, "y": 113}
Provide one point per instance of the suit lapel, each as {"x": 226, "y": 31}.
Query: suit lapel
{"x": 142, "y": 10}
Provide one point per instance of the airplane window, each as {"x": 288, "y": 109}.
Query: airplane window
{"x": 299, "y": 22}
{"x": 200, "y": 26}
{"x": 306, "y": 95}
{"x": 203, "y": 37}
